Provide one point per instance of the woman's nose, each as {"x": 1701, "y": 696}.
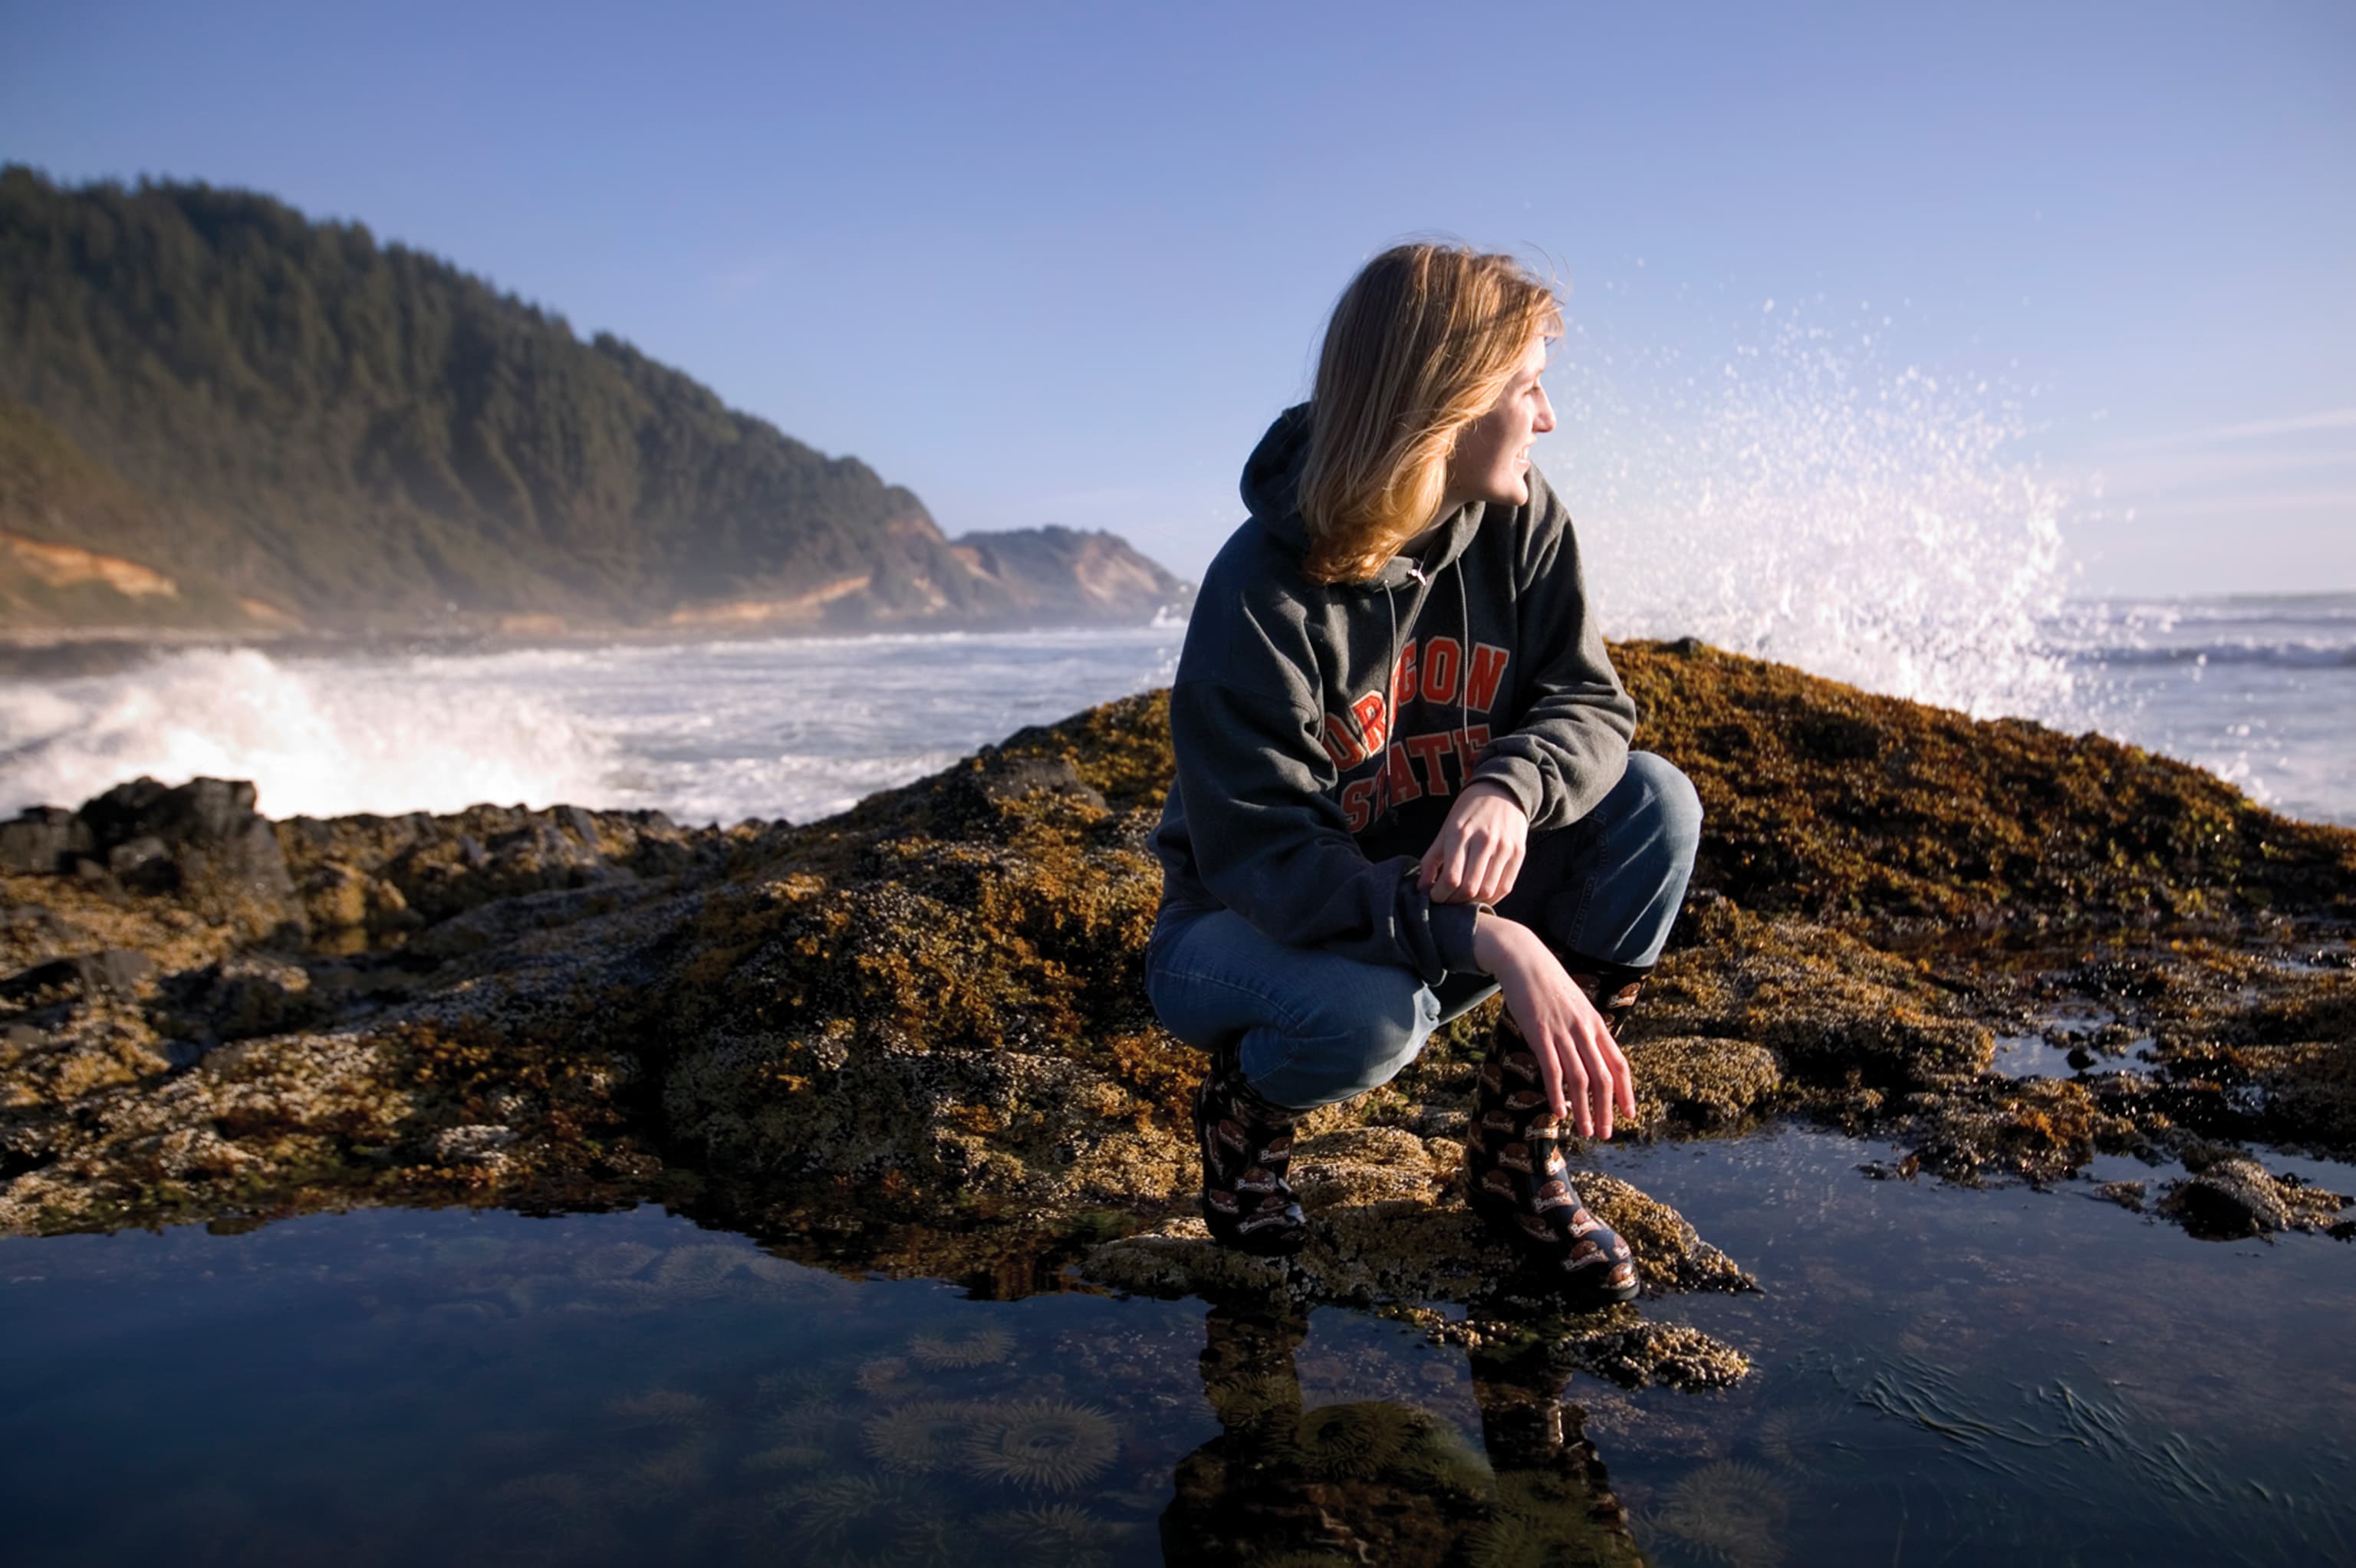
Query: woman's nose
{"x": 1545, "y": 421}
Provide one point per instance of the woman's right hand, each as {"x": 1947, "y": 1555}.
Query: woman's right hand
{"x": 1580, "y": 1064}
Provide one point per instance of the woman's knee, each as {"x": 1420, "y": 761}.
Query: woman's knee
{"x": 1669, "y": 801}
{"x": 1348, "y": 1043}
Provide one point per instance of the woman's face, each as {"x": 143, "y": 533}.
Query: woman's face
{"x": 1492, "y": 461}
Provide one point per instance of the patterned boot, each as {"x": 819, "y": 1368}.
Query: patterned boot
{"x": 1247, "y": 1143}
{"x": 1514, "y": 1167}
{"x": 1612, "y": 988}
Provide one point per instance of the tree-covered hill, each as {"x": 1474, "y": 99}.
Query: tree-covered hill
{"x": 286, "y": 420}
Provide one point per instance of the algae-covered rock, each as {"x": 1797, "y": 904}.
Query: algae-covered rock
{"x": 1837, "y": 806}
{"x": 383, "y": 876}
{"x": 2233, "y": 1196}
{"x": 1702, "y": 1082}
{"x": 1676, "y": 1355}
{"x": 1831, "y": 1008}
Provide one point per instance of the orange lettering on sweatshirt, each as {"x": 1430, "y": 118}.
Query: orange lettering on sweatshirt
{"x": 1336, "y": 738}
{"x": 1488, "y": 670}
{"x": 1428, "y": 750}
{"x": 1442, "y": 661}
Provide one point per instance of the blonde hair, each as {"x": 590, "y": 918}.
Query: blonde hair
{"x": 1421, "y": 344}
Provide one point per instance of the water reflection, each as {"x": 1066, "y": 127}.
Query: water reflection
{"x": 1382, "y": 1481}
{"x": 1944, "y": 1375}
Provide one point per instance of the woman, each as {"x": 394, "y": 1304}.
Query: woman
{"x": 1403, "y": 773}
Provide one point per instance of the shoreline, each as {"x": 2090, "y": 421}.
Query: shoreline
{"x": 27, "y": 654}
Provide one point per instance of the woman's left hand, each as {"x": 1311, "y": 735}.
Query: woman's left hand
{"x": 1479, "y": 851}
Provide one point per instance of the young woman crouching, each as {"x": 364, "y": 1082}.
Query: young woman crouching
{"x": 1403, "y": 773}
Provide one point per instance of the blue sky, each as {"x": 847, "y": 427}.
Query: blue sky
{"x": 1062, "y": 264}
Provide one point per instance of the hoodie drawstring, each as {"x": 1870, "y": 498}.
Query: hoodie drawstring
{"x": 1463, "y": 682}
{"x": 1390, "y": 695}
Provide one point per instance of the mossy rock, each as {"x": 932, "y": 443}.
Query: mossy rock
{"x": 1702, "y": 1082}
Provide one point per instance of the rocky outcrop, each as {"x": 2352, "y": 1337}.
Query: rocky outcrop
{"x": 202, "y": 846}
{"x": 913, "y": 1036}
{"x": 372, "y": 880}
{"x": 1057, "y": 573}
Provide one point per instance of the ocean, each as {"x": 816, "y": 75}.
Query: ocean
{"x": 2259, "y": 690}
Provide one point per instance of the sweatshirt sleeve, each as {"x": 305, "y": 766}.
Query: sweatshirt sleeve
{"x": 1269, "y": 842}
{"x": 1568, "y": 746}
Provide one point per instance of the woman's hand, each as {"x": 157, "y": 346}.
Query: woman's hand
{"x": 1479, "y": 851}
{"x": 1580, "y": 1063}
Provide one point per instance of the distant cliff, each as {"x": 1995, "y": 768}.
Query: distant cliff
{"x": 216, "y": 413}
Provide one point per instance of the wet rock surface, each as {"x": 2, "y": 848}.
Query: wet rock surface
{"x": 2228, "y": 1197}
{"x": 916, "y": 1034}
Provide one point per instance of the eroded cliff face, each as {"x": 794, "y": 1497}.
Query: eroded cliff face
{"x": 914, "y": 1035}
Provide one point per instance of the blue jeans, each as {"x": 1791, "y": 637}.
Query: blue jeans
{"x": 1314, "y": 1028}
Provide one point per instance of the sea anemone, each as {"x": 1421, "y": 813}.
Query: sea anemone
{"x": 1246, "y": 1402}
{"x": 842, "y": 1509}
{"x": 696, "y": 1272}
{"x": 1055, "y": 1535}
{"x": 661, "y": 1407}
{"x": 818, "y": 1423}
{"x": 981, "y": 1347}
{"x": 618, "y": 1261}
{"x": 1510, "y": 1540}
{"x": 887, "y": 1377}
{"x": 858, "y": 1518}
{"x": 788, "y": 1457}
{"x": 1049, "y": 1445}
{"x": 1792, "y": 1438}
{"x": 1341, "y": 1441}
{"x": 664, "y": 1477}
{"x": 1730, "y": 1512}
{"x": 1439, "y": 1460}
{"x": 1566, "y": 1532}
{"x": 1540, "y": 1519}
{"x": 921, "y": 1437}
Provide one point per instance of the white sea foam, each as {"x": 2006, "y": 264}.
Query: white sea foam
{"x": 1794, "y": 498}
{"x": 315, "y": 737}
{"x": 706, "y": 731}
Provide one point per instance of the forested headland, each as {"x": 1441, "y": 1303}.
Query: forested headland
{"x": 218, "y": 413}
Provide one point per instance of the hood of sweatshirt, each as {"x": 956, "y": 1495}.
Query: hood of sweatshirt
{"x": 1271, "y": 488}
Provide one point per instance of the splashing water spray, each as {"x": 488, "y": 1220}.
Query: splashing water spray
{"x": 1795, "y": 499}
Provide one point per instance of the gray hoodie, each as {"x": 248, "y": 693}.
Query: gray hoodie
{"x": 1309, "y": 784}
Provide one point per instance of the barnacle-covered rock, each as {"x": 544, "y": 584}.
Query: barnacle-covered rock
{"x": 2232, "y": 1197}
{"x": 1676, "y": 1355}
{"x": 1705, "y": 1084}
{"x": 1828, "y": 1005}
